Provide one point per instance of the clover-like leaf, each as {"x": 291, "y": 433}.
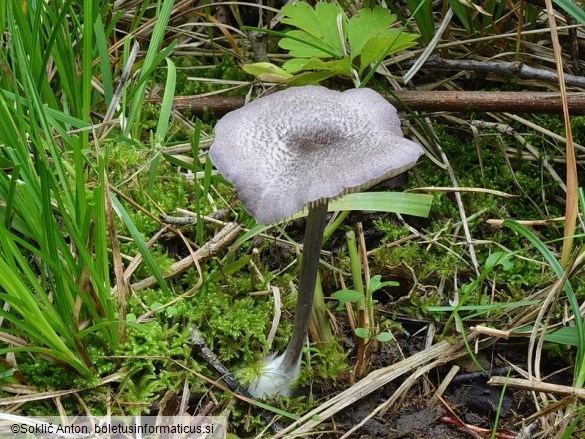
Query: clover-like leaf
{"x": 368, "y": 24}
{"x": 390, "y": 41}
{"x": 310, "y": 78}
{"x": 326, "y": 26}
{"x": 499, "y": 258}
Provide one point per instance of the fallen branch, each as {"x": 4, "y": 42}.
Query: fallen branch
{"x": 514, "y": 68}
{"x": 459, "y": 101}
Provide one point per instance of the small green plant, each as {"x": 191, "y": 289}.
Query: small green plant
{"x": 353, "y": 296}
{"x": 366, "y": 330}
{"x": 326, "y": 43}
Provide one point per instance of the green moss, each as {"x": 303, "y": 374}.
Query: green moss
{"x": 325, "y": 365}
{"x": 234, "y": 326}
{"x": 191, "y": 67}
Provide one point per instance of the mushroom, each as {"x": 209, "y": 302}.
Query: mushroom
{"x": 299, "y": 148}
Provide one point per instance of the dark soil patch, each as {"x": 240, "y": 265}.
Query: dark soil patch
{"x": 419, "y": 415}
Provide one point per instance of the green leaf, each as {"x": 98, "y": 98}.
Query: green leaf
{"x": 266, "y": 71}
{"x": 566, "y": 335}
{"x": 499, "y": 258}
{"x": 320, "y": 23}
{"x": 345, "y": 296}
{"x": 7, "y": 375}
{"x": 367, "y": 25}
{"x": 362, "y": 332}
{"x": 423, "y": 15}
{"x": 376, "y": 283}
{"x": 464, "y": 14}
{"x": 401, "y": 202}
{"x": 572, "y": 9}
{"x": 167, "y": 102}
{"x": 340, "y": 67}
{"x": 303, "y": 45}
{"x": 392, "y": 41}
{"x": 155, "y": 306}
{"x": 139, "y": 241}
{"x": 482, "y": 308}
{"x": 310, "y": 78}
{"x": 384, "y": 336}
{"x": 570, "y": 293}
{"x": 151, "y": 60}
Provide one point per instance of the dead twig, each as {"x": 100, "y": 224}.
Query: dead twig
{"x": 530, "y": 223}
{"x": 422, "y": 100}
{"x": 225, "y": 237}
{"x": 514, "y": 68}
{"x": 463, "y": 189}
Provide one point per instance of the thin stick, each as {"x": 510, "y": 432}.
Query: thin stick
{"x": 516, "y": 68}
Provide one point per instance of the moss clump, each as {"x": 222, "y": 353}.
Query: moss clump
{"x": 234, "y": 326}
{"x": 226, "y": 69}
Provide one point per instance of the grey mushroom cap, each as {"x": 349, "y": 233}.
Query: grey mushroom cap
{"x": 305, "y": 144}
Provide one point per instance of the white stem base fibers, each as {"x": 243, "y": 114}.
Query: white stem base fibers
{"x": 275, "y": 380}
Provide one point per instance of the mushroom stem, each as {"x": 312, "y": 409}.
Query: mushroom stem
{"x": 308, "y": 277}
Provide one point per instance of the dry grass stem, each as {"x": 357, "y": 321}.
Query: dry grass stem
{"x": 223, "y": 238}
{"x": 537, "y": 386}
{"x": 529, "y": 223}
{"x": 463, "y": 189}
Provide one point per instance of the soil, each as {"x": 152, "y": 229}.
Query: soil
{"x": 419, "y": 415}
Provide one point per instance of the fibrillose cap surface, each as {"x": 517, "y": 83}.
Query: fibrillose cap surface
{"x": 305, "y": 144}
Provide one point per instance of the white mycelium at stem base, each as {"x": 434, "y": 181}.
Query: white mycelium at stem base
{"x": 301, "y": 147}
